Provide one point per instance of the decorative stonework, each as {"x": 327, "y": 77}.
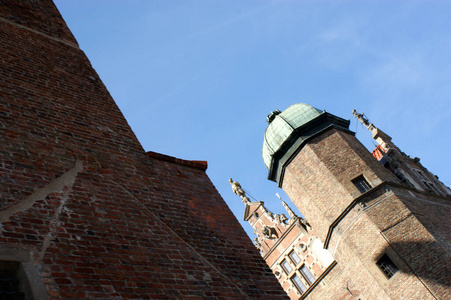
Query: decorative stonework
{"x": 281, "y": 219}
{"x": 269, "y": 232}
{"x": 236, "y": 187}
{"x": 257, "y": 244}
{"x": 284, "y": 243}
{"x": 303, "y": 247}
{"x": 410, "y": 172}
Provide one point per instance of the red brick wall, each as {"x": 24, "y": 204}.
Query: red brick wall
{"x": 38, "y": 16}
{"x": 391, "y": 220}
{"x": 99, "y": 217}
{"x": 414, "y": 224}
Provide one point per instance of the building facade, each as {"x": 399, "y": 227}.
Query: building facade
{"x": 85, "y": 212}
{"x": 288, "y": 245}
{"x": 383, "y": 218}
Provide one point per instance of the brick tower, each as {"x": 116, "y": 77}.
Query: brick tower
{"x": 85, "y": 212}
{"x": 385, "y": 224}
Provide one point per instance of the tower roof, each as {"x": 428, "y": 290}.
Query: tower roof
{"x": 282, "y": 125}
{"x": 290, "y": 130}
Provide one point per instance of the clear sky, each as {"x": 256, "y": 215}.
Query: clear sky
{"x": 196, "y": 79}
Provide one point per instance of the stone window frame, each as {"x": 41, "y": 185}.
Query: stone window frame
{"x": 362, "y": 184}
{"x": 387, "y": 266}
{"x": 297, "y": 283}
{"x": 307, "y": 274}
{"x": 378, "y": 274}
{"x": 428, "y": 184}
{"x": 28, "y": 273}
{"x": 421, "y": 174}
{"x": 293, "y": 255}
{"x": 431, "y": 187}
{"x": 284, "y": 263}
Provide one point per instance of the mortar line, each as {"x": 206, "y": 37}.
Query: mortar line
{"x": 40, "y": 33}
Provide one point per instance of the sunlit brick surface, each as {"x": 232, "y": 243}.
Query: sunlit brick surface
{"x": 411, "y": 226}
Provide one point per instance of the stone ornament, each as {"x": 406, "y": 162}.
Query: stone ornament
{"x": 303, "y": 247}
{"x": 281, "y": 219}
{"x": 269, "y": 232}
{"x": 257, "y": 244}
{"x": 236, "y": 188}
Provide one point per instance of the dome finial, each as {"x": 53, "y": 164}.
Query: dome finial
{"x": 272, "y": 115}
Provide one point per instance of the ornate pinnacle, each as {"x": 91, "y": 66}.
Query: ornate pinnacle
{"x": 381, "y": 137}
{"x": 290, "y": 212}
{"x": 236, "y": 187}
{"x": 363, "y": 119}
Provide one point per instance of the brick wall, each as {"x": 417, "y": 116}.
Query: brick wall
{"x": 98, "y": 217}
{"x": 388, "y": 219}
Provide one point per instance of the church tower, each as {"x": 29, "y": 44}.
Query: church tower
{"x": 387, "y": 230}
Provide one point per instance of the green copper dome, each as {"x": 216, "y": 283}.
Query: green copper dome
{"x": 289, "y": 131}
{"x": 282, "y": 125}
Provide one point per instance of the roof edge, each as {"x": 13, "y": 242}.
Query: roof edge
{"x": 198, "y": 164}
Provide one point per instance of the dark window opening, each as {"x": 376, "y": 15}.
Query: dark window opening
{"x": 427, "y": 183}
{"x": 388, "y": 167}
{"x": 361, "y": 184}
{"x": 387, "y": 266}
{"x": 421, "y": 175}
{"x": 430, "y": 186}
{"x": 11, "y": 287}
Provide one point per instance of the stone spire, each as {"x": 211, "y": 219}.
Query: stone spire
{"x": 381, "y": 137}
{"x": 289, "y": 211}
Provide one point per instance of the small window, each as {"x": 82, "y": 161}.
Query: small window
{"x": 307, "y": 275}
{"x": 361, "y": 184}
{"x": 286, "y": 266}
{"x": 294, "y": 258}
{"x": 431, "y": 187}
{"x": 421, "y": 174}
{"x": 298, "y": 283}
{"x": 10, "y": 283}
{"x": 387, "y": 266}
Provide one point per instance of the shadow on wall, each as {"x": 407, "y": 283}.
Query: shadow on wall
{"x": 429, "y": 261}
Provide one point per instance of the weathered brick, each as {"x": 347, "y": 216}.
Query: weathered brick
{"x": 108, "y": 211}
{"x": 318, "y": 180}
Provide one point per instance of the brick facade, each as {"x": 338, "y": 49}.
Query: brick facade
{"x": 390, "y": 238}
{"x": 288, "y": 245}
{"x": 84, "y": 209}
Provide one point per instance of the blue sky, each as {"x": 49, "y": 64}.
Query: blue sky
{"x": 196, "y": 79}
